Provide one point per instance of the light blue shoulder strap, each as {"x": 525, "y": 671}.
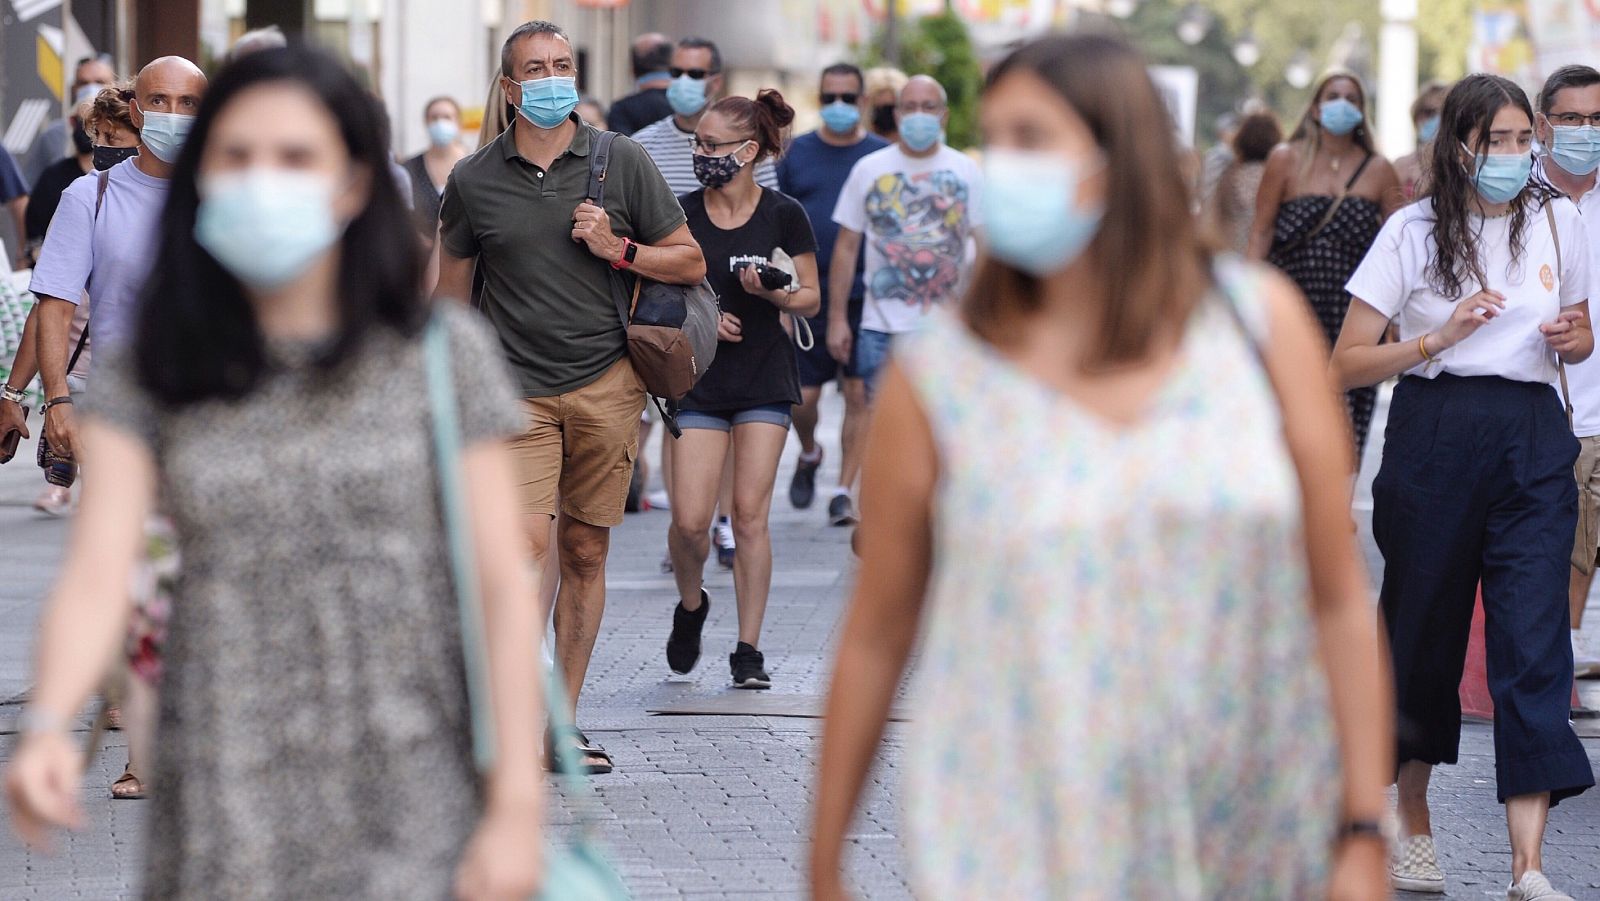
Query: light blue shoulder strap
{"x": 463, "y": 566}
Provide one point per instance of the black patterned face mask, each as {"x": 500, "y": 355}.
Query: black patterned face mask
{"x": 716, "y": 171}
{"x": 106, "y": 157}
{"x": 81, "y": 141}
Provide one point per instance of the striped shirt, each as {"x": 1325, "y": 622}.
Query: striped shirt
{"x": 668, "y": 146}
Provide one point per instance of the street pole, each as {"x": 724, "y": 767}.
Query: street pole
{"x": 891, "y": 32}
{"x": 1397, "y": 76}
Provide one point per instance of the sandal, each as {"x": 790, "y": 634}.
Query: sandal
{"x": 128, "y": 787}
{"x": 596, "y": 761}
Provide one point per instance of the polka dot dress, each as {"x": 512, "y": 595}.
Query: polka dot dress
{"x": 1322, "y": 264}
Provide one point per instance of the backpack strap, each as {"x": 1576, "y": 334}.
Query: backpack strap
{"x": 599, "y": 162}
{"x": 103, "y": 179}
{"x": 1561, "y": 365}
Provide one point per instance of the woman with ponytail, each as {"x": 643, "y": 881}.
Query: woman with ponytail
{"x": 761, "y": 259}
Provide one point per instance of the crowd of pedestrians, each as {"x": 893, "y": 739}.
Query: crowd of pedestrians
{"x": 1100, "y": 422}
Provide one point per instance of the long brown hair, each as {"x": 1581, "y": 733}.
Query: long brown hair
{"x": 1148, "y": 247}
{"x": 1309, "y": 132}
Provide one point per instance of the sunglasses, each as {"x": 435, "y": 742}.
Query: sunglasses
{"x": 696, "y": 74}
{"x": 848, "y": 98}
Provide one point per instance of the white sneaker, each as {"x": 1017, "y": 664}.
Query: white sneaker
{"x": 55, "y": 501}
{"x": 658, "y": 500}
{"x": 1534, "y": 887}
{"x": 1414, "y": 868}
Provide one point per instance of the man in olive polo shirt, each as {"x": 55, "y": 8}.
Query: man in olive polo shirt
{"x": 517, "y": 210}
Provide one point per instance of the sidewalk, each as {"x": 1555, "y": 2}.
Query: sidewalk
{"x": 703, "y": 805}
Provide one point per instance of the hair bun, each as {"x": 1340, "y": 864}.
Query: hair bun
{"x": 780, "y": 110}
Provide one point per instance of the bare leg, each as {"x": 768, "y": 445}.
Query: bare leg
{"x": 725, "y": 491}
{"x": 1525, "y": 819}
{"x": 1578, "y": 595}
{"x": 541, "y": 533}
{"x": 1413, "y": 789}
{"x": 667, "y": 442}
{"x": 139, "y": 724}
{"x": 581, "y": 599}
{"x": 549, "y": 570}
{"x": 852, "y": 430}
{"x": 806, "y": 416}
{"x": 698, "y": 476}
{"x": 756, "y": 449}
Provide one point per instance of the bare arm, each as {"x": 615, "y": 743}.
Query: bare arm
{"x": 841, "y": 273}
{"x": 1274, "y": 185}
{"x": 1391, "y": 196}
{"x": 19, "y": 221}
{"x": 455, "y": 276}
{"x": 896, "y": 534}
{"x": 55, "y": 334}
{"x": 1317, "y": 432}
{"x": 25, "y": 365}
{"x": 84, "y": 615}
{"x": 673, "y": 260}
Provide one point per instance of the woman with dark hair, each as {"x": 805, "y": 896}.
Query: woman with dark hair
{"x": 1323, "y": 197}
{"x": 314, "y": 698}
{"x": 761, "y": 258}
{"x": 1488, "y": 279}
{"x": 1231, "y": 207}
{"x": 1144, "y": 676}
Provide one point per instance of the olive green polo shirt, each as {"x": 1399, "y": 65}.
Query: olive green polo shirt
{"x": 547, "y": 296}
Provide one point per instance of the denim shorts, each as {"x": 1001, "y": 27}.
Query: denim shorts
{"x": 871, "y": 353}
{"x": 722, "y": 421}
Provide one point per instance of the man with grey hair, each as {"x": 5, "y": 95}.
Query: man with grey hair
{"x": 55, "y": 142}
{"x": 697, "y": 82}
{"x": 518, "y": 210}
{"x": 652, "y": 55}
{"x": 915, "y": 206}
{"x": 258, "y": 39}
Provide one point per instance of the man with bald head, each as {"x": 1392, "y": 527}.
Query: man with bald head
{"x": 652, "y": 55}
{"x": 103, "y": 237}
{"x": 915, "y": 206}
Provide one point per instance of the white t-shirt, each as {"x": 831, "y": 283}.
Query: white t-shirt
{"x": 1583, "y": 380}
{"x": 916, "y": 217}
{"x": 1393, "y": 279}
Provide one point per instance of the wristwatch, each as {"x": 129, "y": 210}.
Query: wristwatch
{"x": 63, "y": 400}
{"x": 15, "y": 395}
{"x": 629, "y": 251}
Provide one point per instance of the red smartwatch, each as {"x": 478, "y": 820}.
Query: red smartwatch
{"x": 629, "y": 251}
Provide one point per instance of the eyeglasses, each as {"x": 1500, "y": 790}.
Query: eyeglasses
{"x": 1575, "y": 119}
{"x": 929, "y": 106}
{"x": 697, "y": 145}
{"x": 696, "y": 74}
{"x": 849, "y": 98}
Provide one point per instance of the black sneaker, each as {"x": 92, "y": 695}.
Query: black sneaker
{"x": 683, "y": 645}
{"x": 841, "y": 512}
{"x": 749, "y": 668}
{"x": 803, "y": 487}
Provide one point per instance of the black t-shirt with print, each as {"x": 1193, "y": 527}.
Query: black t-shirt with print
{"x": 761, "y": 369}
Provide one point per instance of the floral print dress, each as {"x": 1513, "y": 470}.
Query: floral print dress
{"x": 1119, "y": 693}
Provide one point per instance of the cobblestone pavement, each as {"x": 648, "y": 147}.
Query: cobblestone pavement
{"x": 701, "y": 806}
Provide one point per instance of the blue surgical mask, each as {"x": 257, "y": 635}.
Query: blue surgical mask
{"x": 648, "y": 77}
{"x": 840, "y": 117}
{"x": 1429, "y": 129}
{"x": 164, "y": 134}
{"x": 1500, "y": 177}
{"x": 1031, "y": 215}
{"x": 1339, "y": 116}
{"x": 1576, "y": 148}
{"x": 547, "y": 102}
{"x": 443, "y": 132}
{"x": 266, "y": 226}
{"x": 920, "y": 130}
{"x": 687, "y": 96}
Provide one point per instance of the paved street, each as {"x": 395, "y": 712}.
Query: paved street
{"x": 713, "y": 803}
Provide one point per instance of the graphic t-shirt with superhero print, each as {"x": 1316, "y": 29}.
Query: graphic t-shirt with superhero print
{"x": 916, "y": 218}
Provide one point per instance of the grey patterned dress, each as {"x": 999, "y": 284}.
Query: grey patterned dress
{"x": 313, "y": 738}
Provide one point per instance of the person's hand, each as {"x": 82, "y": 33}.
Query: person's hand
{"x": 504, "y": 860}
{"x": 592, "y": 226}
{"x": 61, "y": 430}
{"x": 840, "y": 342}
{"x": 1360, "y": 871}
{"x": 750, "y": 281}
{"x": 729, "y": 329}
{"x": 12, "y": 420}
{"x": 1565, "y": 334}
{"x": 42, "y": 787}
{"x": 1469, "y": 316}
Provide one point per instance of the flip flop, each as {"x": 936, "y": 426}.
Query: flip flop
{"x": 586, "y": 749}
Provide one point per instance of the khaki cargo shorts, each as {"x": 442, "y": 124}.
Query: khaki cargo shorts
{"x": 1587, "y": 472}
{"x": 580, "y": 447}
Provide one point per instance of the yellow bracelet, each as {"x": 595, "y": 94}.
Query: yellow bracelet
{"x": 1422, "y": 345}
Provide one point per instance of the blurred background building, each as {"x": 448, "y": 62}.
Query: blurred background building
{"x": 1213, "y": 55}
